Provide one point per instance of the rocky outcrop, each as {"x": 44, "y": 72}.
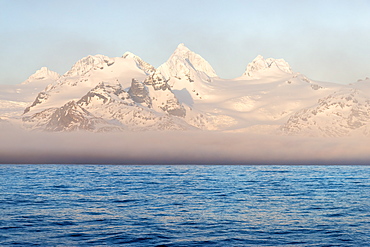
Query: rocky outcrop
{"x": 342, "y": 113}
{"x": 105, "y": 93}
{"x": 72, "y": 117}
{"x": 41, "y": 97}
{"x": 140, "y": 63}
{"x": 162, "y": 95}
{"x": 157, "y": 81}
{"x": 139, "y": 93}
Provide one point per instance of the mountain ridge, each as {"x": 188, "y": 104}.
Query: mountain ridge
{"x": 101, "y": 93}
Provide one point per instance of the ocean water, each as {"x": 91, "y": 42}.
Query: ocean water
{"x": 189, "y": 205}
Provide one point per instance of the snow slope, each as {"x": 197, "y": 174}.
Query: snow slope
{"x": 127, "y": 92}
{"x": 100, "y": 93}
{"x": 261, "y": 67}
{"x": 15, "y": 98}
{"x": 342, "y": 113}
{"x": 188, "y": 74}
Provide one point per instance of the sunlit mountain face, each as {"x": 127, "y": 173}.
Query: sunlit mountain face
{"x": 103, "y": 94}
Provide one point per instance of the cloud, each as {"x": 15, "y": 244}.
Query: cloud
{"x": 178, "y": 148}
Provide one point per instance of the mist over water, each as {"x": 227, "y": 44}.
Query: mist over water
{"x": 188, "y": 147}
{"x": 188, "y": 205}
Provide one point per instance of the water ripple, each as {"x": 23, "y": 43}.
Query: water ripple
{"x": 92, "y": 205}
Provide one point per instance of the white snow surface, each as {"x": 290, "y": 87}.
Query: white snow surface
{"x": 187, "y": 71}
{"x": 184, "y": 62}
{"x": 344, "y": 112}
{"x": 14, "y": 98}
{"x": 42, "y": 76}
{"x": 88, "y": 73}
{"x": 260, "y": 67}
{"x": 100, "y": 93}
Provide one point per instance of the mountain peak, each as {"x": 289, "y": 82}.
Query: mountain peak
{"x": 42, "y": 74}
{"x": 185, "y": 62}
{"x": 128, "y": 54}
{"x": 88, "y": 63}
{"x": 140, "y": 63}
{"x": 260, "y": 64}
{"x": 182, "y": 49}
{"x": 259, "y": 57}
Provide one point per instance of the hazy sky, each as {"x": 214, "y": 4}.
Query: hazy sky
{"x": 325, "y": 40}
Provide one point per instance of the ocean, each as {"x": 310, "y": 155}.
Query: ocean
{"x": 184, "y": 205}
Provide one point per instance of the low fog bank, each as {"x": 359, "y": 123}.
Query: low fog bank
{"x": 177, "y": 148}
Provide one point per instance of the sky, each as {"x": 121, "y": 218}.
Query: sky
{"x": 325, "y": 40}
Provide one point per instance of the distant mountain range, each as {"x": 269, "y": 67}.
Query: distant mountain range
{"x": 101, "y": 93}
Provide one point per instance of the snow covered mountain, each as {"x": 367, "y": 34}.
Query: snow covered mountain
{"x": 15, "y": 98}
{"x": 188, "y": 74}
{"x": 42, "y": 76}
{"x": 126, "y": 92}
{"x": 110, "y": 108}
{"x": 342, "y": 113}
{"x": 184, "y": 63}
{"x": 86, "y": 74}
{"x": 101, "y": 93}
{"x": 261, "y": 67}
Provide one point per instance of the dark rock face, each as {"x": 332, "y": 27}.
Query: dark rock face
{"x": 338, "y": 114}
{"x": 41, "y": 97}
{"x": 180, "y": 112}
{"x": 174, "y": 108}
{"x": 139, "y": 93}
{"x": 172, "y": 105}
{"x": 71, "y": 117}
{"x": 157, "y": 81}
{"x": 104, "y": 92}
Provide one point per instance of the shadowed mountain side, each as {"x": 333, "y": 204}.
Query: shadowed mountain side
{"x": 185, "y": 93}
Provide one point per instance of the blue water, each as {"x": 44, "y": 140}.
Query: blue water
{"x": 106, "y": 205}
